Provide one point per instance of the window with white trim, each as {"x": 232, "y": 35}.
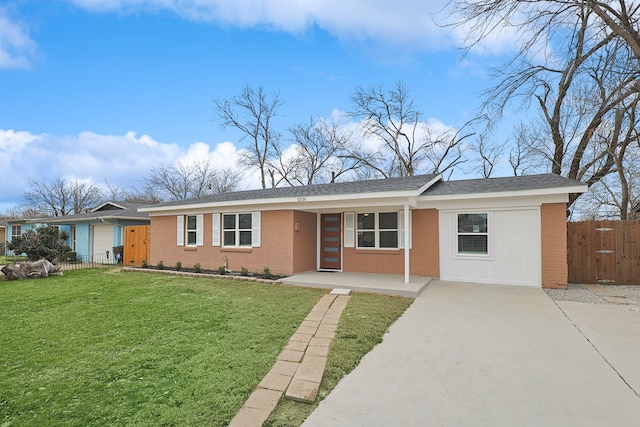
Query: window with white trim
{"x": 16, "y": 231}
{"x": 377, "y": 230}
{"x": 237, "y": 229}
{"x": 473, "y": 236}
{"x": 191, "y": 230}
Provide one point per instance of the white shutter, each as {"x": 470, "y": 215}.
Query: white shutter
{"x": 199, "y": 230}
{"x": 255, "y": 229}
{"x": 401, "y": 229}
{"x": 349, "y": 225}
{"x": 180, "y": 230}
{"x": 215, "y": 236}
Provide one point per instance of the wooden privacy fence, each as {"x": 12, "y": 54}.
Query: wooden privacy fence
{"x": 604, "y": 252}
{"x": 136, "y": 244}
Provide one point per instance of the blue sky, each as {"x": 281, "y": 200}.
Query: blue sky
{"x": 106, "y": 89}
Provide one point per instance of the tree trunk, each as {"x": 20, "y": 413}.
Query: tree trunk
{"x": 30, "y": 270}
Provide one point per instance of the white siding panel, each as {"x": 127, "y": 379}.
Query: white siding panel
{"x": 514, "y": 249}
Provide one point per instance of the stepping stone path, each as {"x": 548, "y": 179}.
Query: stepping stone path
{"x": 300, "y": 366}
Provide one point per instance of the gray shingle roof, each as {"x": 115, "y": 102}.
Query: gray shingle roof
{"x": 131, "y": 212}
{"x": 494, "y": 185}
{"x": 409, "y": 183}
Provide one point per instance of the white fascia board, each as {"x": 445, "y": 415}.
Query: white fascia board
{"x": 107, "y": 203}
{"x": 493, "y": 202}
{"x": 298, "y": 203}
{"x": 428, "y": 185}
{"x": 497, "y": 194}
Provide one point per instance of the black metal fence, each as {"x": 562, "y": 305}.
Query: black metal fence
{"x": 78, "y": 262}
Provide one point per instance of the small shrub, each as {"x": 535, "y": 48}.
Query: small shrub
{"x": 244, "y": 271}
{"x": 266, "y": 272}
{"x": 160, "y": 265}
{"x": 178, "y": 266}
{"x": 197, "y": 267}
{"x": 222, "y": 269}
{"x": 144, "y": 264}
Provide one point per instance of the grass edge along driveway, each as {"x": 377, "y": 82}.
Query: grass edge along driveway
{"x": 96, "y": 347}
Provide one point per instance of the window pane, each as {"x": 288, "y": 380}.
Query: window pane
{"x": 191, "y": 222}
{"x": 388, "y": 221}
{"x": 472, "y": 223}
{"x": 245, "y": 238}
{"x": 471, "y": 244}
{"x": 366, "y": 221}
{"x": 366, "y": 239}
{"x": 388, "y": 239}
{"x": 191, "y": 237}
{"x": 245, "y": 221}
{"x": 229, "y": 238}
{"x": 228, "y": 222}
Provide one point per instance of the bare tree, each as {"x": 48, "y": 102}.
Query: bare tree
{"x": 487, "y": 156}
{"x": 576, "y": 67}
{"x": 252, "y": 113}
{"x": 320, "y": 153}
{"x": 62, "y": 197}
{"x": 391, "y": 118}
{"x": 187, "y": 180}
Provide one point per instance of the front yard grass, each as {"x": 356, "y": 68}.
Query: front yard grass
{"x": 104, "y": 347}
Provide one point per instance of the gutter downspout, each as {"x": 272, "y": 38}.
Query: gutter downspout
{"x": 407, "y": 224}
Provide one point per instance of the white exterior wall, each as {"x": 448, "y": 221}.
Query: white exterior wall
{"x": 514, "y": 248}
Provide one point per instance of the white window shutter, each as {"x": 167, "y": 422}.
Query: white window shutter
{"x": 255, "y": 229}
{"x": 180, "y": 230}
{"x": 199, "y": 230}
{"x": 349, "y": 228}
{"x": 215, "y": 236}
{"x": 401, "y": 229}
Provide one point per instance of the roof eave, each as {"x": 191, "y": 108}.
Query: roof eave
{"x": 580, "y": 188}
{"x": 288, "y": 200}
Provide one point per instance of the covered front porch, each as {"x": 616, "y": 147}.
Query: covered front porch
{"x": 388, "y": 284}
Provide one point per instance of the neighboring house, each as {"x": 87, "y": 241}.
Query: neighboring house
{"x": 3, "y": 237}
{"x": 93, "y": 234}
{"x": 496, "y": 230}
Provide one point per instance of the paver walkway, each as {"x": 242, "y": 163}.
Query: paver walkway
{"x": 300, "y": 366}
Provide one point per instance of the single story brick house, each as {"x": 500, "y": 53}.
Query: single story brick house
{"x": 494, "y": 230}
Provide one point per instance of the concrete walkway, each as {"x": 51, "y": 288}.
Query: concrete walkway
{"x": 300, "y": 366}
{"x": 482, "y": 355}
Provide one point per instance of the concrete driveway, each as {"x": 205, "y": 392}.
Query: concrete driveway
{"x": 483, "y": 355}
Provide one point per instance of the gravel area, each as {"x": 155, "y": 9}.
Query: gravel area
{"x": 579, "y": 293}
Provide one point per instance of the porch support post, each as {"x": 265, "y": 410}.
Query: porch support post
{"x": 407, "y": 245}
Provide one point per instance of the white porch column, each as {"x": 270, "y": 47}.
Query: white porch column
{"x": 407, "y": 224}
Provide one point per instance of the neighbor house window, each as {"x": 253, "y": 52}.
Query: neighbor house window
{"x": 377, "y": 230}
{"x": 16, "y": 231}
{"x": 236, "y": 229}
{"x": 473, "y": 234}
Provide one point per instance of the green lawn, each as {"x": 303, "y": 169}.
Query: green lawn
{"x": 104, "y": 347}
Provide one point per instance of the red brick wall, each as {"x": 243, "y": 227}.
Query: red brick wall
{"x": 304, "y": 241}
{"x": 276, "y": 251}
{"x": 424, "y": 256}
{"x": 554, "y": 245}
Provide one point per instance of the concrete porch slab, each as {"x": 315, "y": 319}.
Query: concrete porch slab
{"x": 387, "y": 284}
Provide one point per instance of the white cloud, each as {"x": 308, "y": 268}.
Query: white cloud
{"x": 413, "y": 24}
{"x": 122, "y": 160}
{"x": 16, "y": 47}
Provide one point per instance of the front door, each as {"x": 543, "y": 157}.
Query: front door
{"x": 330, "y": 244}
